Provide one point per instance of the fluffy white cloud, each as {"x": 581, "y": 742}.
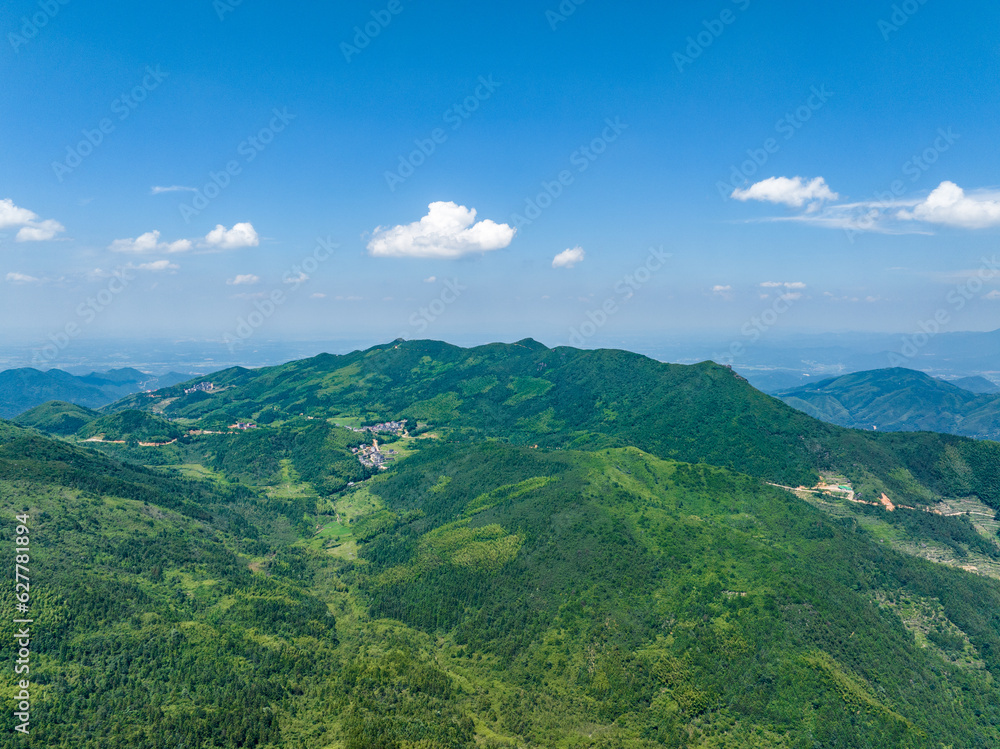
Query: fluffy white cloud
{"x": 993, "y": 295}
{"x": 721, "y": 289}
{"x": 248, "y": 279}
{"x": 12, "y": 215}
{"x": 569, "y": 258}
{"x": 32, "y": 229}
{"x": 794, "y": 192}
{"x": 448, "y": 231}
{"x": 949, "y": 205}
{"x": 220, "y": 238}
{"x": 40, "y": 232}
{"x": 149, "y": 243}
{"x": 21, "y": 278}
{"x": 241, "y": 235}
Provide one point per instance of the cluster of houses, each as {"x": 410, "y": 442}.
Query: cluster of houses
{"x": 390, "y": 427}
{"x": 372, "y": 456}
{"x": 201, "y": 387}
{"x": 241, "y": 425}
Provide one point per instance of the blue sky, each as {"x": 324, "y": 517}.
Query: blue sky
{"x": 834, "y": 164}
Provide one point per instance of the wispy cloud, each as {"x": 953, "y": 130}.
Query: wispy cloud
{"x": 157, "y": 266}
{"x": 21, "y": 278}
{"x": 248, "y": 279}
{"x": 947, "y": 205}
{"x": 157, "y": 190}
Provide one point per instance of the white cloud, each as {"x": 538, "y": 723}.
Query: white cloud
{"x": 241, "y": 235}
{"x": 21, "y": 278}
{"x": 993, "y": 295}
{"x": 298, "y": 280}
{"x": 721, "y": 289}
{"x": 949, "y": 205}
{"x": 31, "y": 228}
{"x": 431, "y": 279}
{"x": 149, "y": 243}
{"x": 448, "y": 231}
{"x": 157, "y": 266}
{"x": 12, "y": 215}
{"x": 40, "y": 232}
{"x": 173, "y": 188}
{"x": 794, "y": 192}
{"x": 248, "y": 279}
{"x": 318, "y": 295}
{"x": 569, "y": 258}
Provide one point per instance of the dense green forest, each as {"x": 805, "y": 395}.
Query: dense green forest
{"x": 568, "y": 549}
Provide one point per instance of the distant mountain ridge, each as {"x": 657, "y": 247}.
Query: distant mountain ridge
{"x": 900, "y": 400}
{"x": 23, "y": 389}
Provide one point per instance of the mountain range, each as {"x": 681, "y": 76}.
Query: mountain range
{"x": 561, "y": 548}
{"x": 22, "y": 389}
{"x": 902, "y": 400}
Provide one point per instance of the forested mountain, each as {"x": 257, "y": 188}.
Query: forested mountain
{"x": 57, "y": 417}
{"x": 977, "y": 385}
{"x": 562, "y": 548}
{"x": 900, "y": 400}
{"x": 23, "y": 389}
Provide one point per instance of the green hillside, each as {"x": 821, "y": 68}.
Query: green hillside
{"x": 526, "y": 394}
{"x": 549, "y": 559}
{"x": 56, "y": 417}
{"x": 130, "y": 425}
{"x": 899, "y": 400}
